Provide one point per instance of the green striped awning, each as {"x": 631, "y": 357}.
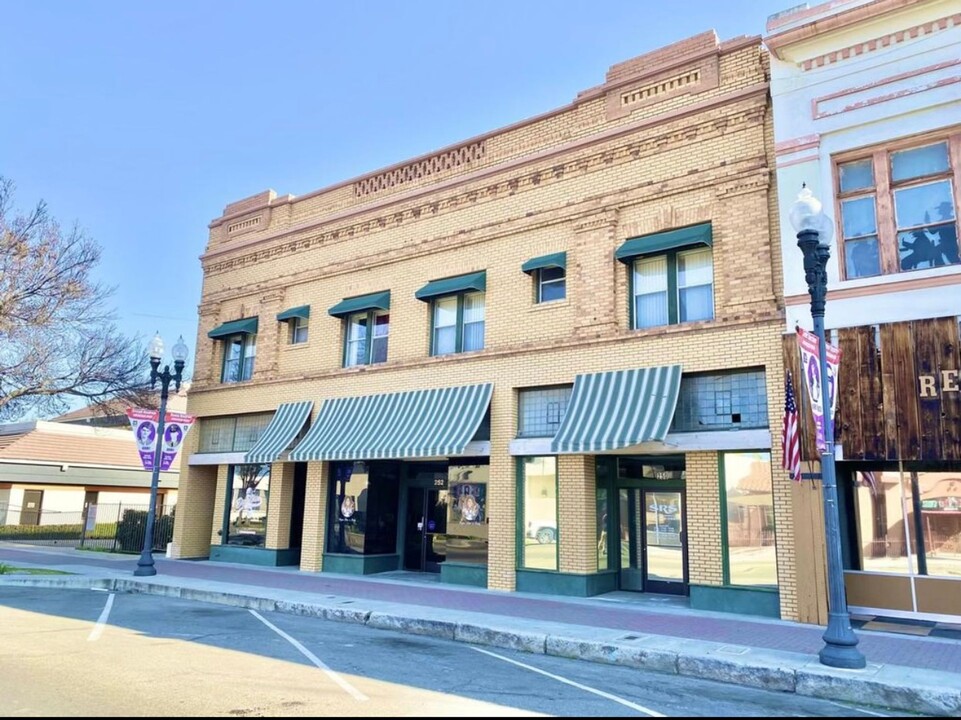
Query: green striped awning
{"x": 558, "y": 260}
{"x": 373, "y": 301}
{"x": 286, "y": 423}
{"x": 298, "y": 312}
{"x": 614, "y": 410}
{"x": 234, "y": 327}
{"x": 420, "y": 423}
{"x": 664, "y": 241}
{"x": 449, "y": 286}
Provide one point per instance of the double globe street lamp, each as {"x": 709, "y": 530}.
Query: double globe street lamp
{"x": 814, "y": 231}
{"x": 145, "y": 565}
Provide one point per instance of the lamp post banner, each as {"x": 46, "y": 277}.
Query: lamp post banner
{"x": 144, "y": 424}
{"x": 810, "y": 367}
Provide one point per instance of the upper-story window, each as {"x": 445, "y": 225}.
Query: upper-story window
{"x": 897, "y": 209}
{"x": 239, "y": 340}
{"x": 672, "y": 276}
{"x": 458, "y": 309}
{"x": 366, "y": 338}
{"x": 366, "y": 327}
{"x": 297, "y": 319}
{"x": 298, "y": 331}
{"x": 550, "y": 276}
{"x": 240, "y": 351}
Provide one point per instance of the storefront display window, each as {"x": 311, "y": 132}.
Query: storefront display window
{"x": 363, "y": 508}
{"x": 749, "y": 537}
{"x": 603, "y": 561}
{"x": 247, "y": 505}
{"x": 467, "y": 521}
{"x": 539, "y": 484}
{"x": 909, "y": 523}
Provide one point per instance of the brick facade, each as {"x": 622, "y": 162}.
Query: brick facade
{"x": 674, "y": 138}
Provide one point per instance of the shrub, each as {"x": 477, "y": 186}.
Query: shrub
{"x": 133, "y": 526}
{"x": 40, "y": 532}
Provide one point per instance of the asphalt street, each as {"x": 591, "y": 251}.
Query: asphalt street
{"x": 86, "y": 653}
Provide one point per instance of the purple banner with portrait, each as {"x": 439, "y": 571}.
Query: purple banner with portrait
{"x": 144, "y": 424}
{"x": 811, "y": 369}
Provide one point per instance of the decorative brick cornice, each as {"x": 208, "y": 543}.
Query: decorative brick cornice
{"x": 491, "y": 173}
{"x": 584, "y": 214}
{"x": 606, "y": 218}
{"x": 882, "y": 41}
{"x": 758, "y": 181}
{"x": 749, "y": 112}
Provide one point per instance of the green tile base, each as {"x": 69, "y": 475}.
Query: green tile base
{"x": 463, "y": 574}
{"x": 744, "y": 601}
{"x": 254, "y": 556}
{"x": 360, "y": 564}
{"x": 556, "y": 583}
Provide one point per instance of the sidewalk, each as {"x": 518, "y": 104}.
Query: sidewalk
{"x": 620, "y": 628}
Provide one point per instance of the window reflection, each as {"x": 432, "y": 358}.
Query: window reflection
{"x": 540, "y": 513}
{"x": 909, "y": 523}
{"x": 749, "y": 493}
{"x": 467, "y": 521}
{"x": 247, "y": 519}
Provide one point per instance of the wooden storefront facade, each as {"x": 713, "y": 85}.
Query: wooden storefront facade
{"x": 898, "y": 432}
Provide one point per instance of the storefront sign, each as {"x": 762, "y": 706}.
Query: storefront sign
{"x": 811, "y": 368}
{"x": 929, "y": 386}
{"x": 942, "y": 504}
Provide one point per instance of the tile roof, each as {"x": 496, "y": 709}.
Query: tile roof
{"x": 68, "y": 444}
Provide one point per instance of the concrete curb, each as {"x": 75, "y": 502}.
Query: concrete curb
{"x": 916, "y": 690}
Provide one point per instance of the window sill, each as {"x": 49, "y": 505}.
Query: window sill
{"x": 895, "y": 278}
{"x": 536, "y": 307}
{"x": 295, "y": 346}
{"x": 674, "y": 327}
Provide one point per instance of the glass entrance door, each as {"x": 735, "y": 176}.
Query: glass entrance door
{"x": 653, "y": 541}
{"x": 631, "y": 538}
{"x": 426, "y": 529}
{"x": 665, "y": 552}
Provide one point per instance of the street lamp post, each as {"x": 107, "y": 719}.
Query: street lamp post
{"x": 145, "y": 565}
{"x": 814, "y": 230}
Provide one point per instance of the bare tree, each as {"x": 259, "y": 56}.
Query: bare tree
{"x": 57, "y": 334}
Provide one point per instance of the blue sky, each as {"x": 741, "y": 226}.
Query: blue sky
{"x": 140, "y": 121}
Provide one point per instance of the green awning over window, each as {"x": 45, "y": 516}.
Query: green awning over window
{"x": 416, "y": 424}
{"x": 558, "y": 260}
{"x": 247, "y": 326}
{"x": 283, "y": 428}
{"x": 614, "y": 410}
{"x": 449, "y": 286}
{"x": 664, "y": 241}
{"x": 298, "y": 312}
{"x": 373, "y": 301}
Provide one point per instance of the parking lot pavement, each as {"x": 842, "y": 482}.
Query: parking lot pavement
{"x": 82, "y": 652}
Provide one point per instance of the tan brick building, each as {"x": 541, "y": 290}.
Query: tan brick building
{"x": 545, "y": 359}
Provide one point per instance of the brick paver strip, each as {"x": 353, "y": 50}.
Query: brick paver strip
{"x": 738, "y": 630}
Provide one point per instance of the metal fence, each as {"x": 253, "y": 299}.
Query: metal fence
{"x": 116, "y": 527}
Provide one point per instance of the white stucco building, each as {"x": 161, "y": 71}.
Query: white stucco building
{"x": 867, "y": 112}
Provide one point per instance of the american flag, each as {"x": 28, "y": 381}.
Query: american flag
{"x": 790, "y": 440}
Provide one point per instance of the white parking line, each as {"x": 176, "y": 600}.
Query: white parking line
{"x": 857, "y": 709}
{"x": 101, "y": 621}
{"x": 579, "y": 686}
{"x": 344, "y": 685}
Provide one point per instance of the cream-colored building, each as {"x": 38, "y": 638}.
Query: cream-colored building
{"x": 545, "y": 359}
